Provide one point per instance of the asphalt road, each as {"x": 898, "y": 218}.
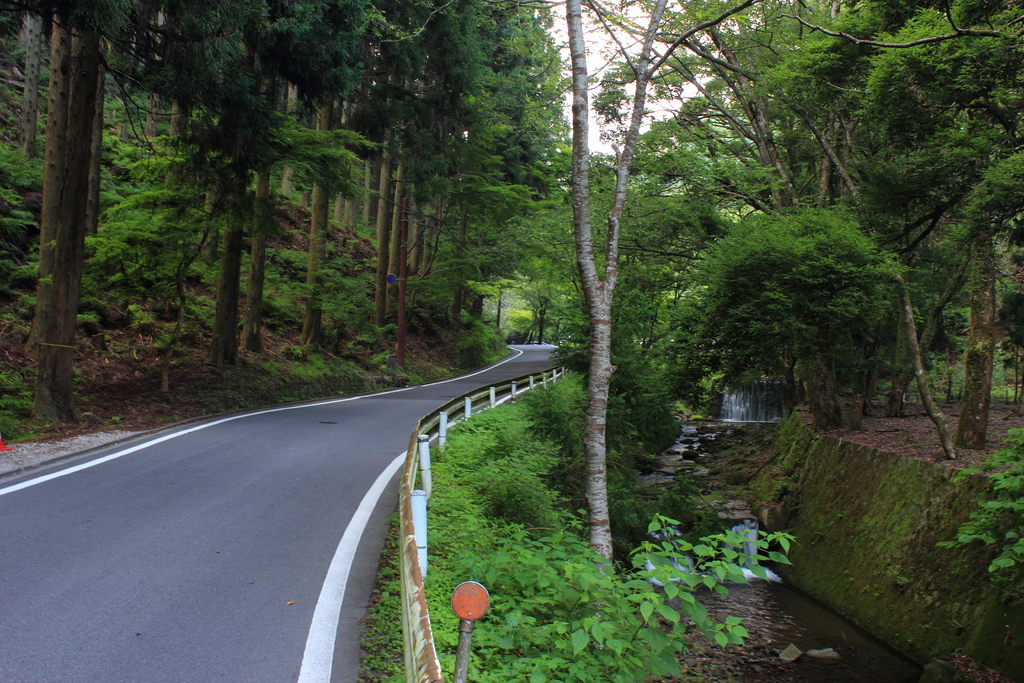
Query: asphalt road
{"x": 200, "y": 554}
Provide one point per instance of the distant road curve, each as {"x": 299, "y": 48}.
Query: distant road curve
{"x": 200, "y": 553}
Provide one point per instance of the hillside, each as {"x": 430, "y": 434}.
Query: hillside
{"x": 121, "y": 346}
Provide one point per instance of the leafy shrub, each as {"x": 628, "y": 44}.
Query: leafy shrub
{"x": 506, "y": 469}
{"x": 481, "y": 345}
{"x": 999, "y": 520}
{"x": 555, "y": 414}
{"x": 559, "y": 612}
{"x": 294, "y": 351}
{"x": 15, "y": 403}
{"x": 19, "y": 172}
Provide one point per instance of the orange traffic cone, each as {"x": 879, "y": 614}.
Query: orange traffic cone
{"x": 3, "y": 447}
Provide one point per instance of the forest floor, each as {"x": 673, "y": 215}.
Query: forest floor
{"x": 915, "y": 435}
{"x": 118, "y": 387}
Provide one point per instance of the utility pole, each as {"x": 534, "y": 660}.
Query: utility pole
{"x": 402, "y": 272}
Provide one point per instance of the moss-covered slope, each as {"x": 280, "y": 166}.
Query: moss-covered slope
{"x": 867, "y": 525}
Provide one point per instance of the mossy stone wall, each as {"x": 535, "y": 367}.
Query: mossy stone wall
{"x": 867, "y": 525}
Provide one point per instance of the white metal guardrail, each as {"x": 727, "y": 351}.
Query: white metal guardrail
{"x": 421, "y": 663}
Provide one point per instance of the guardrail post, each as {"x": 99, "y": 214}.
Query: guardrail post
{"x": 469, "y": 408}
{"x": 425, "y": 474}
{"x": 513, "y": 391}
{"x": 531, "y": 382}
{"x": 418, "y": 501}
{"x": 442, "y": 430}
{"x": 493, "y": 397}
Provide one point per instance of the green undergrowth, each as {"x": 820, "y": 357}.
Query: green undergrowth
{"x": 499, "y": 515}
{"x": 381, "y": 643}
{"x": 15, "y": 401}
{"x": 999, "y": 519}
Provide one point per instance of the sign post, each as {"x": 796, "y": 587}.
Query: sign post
{"x": 470, "y": 601}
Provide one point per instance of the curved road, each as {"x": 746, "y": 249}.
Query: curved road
{"x": 200, "y": 553}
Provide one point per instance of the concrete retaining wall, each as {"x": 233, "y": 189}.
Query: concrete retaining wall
{"x": 867, "y": 525}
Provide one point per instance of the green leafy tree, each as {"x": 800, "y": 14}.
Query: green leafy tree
{"x": 796, "y": 292}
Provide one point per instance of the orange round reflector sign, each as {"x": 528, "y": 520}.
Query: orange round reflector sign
{"x": 470, "y": 600}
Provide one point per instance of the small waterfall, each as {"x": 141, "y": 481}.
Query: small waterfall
{"x": 762, "y": 401}
{"x": 748, "y": 529}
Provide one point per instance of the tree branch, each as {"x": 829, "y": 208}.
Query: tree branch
{"x": 647, "y": 250}
{"x": 698, "y": 28}
{"x": 958, "y": 33}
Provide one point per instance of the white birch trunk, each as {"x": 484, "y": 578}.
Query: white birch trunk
{"x": 599, "y": 288}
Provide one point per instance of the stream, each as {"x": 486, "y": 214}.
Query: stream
{"x": 777, "y": 615}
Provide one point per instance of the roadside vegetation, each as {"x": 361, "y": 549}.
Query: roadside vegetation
{"x": 505, "y": 513}
{"x": 206, "y": 206}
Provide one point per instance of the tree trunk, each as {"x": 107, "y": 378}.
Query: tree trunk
{"x": 176, "y": 124}
{"x": 152, "y": 116}
{"x": 598, "y": 290}
{"x": 348, "y": 217}
{"x": 903, "y": 370}
{"x": 262, "y": 216}
{"x": 311, "y": 325}
{"x": 542, "y": 321}
{"x": 459, "y": 295}
{"x": 902, "y": 373}
{"x": 596, "y": 484}
{"x": 317, "y": 244}
{"x": 383, "y": 233}
{"x": 179, "y": 324}
{"x": 972, "y": 427}
{"x": 224, "y": 337}
{"x": 371, "y": 179}
{"x": 821, "y": 394}
{"x": 32, "y": 30}
{"x": 394, "y": 243}
{"x": 431, "y": 240}
{"x": 291, "y": 94}
{"x": 54, "y": 395}
{"x": 862, "y": 389}
{"x": 175, "y": 128}
{"x": 936, "y": 415}
{"x": 53, "y": 171}
{"x": 92, "y": 208}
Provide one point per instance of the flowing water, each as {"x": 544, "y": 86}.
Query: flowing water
{"x": 762, "y": 401}
{"x": 778, "y": 615}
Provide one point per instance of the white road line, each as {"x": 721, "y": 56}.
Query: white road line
{"x": 318, "y": 657}
{"x": 119, "y": 454}
{"x": 175, "y": 435}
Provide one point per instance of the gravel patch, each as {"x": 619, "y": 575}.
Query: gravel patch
{"x": 24, "y": 456}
